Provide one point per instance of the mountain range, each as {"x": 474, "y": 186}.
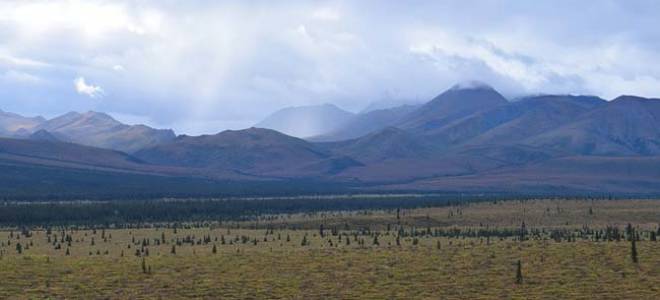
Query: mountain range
{"x": 90, "y": 129}
{"x": 468, "y": 139}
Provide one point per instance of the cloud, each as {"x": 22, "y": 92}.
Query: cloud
{"x": 21, "y": 62}
{"x": 326, "y": 14}
{"x": 14, "y": 76}
{"x": 203, "y": 66}
{"x": 87, "y": 89}
{"x": 92, "y": 18}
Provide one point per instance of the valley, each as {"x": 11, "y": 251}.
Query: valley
{"x": 567, "y": 249}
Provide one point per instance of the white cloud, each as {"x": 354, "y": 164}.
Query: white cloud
{"x": 92, "y": 18}
{"x": 21, "y": 62}
{"x": 449, "y": 52}
{"x": 326, "y": 14}
{"x": 87, "y": 89}
{"x": 14, "y": 76}
{"x": 234, "y": 63}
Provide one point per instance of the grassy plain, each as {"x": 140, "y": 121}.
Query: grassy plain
{"x": 440, "y": 255}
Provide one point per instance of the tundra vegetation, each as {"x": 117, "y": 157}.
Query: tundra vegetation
{"x": 493, "y": 248}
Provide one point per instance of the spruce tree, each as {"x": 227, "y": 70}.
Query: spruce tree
{"x": 633, "y": 250}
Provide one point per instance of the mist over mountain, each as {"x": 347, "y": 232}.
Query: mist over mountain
{"x": 365, "y": 123}
{"x": 306, "y": 121}
{"x": 388, "y": 104}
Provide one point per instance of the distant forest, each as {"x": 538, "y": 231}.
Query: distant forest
{"x": 128, "y": 213}
{"x": 145, "y": 211}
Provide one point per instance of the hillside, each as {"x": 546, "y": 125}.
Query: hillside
{"x": 626, "y": 126}
{"x": 457, "y": 102}
{"x": 253, "y": 151}
{"x": 12, "y": 124}
{"x": 101, "y": 130}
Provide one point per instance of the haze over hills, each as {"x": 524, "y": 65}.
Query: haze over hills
{"x": 467, "y": 139}
{"x": 365, "y": 123}
{"x": 387, "y": 104}
{"x": 306, "y": 121}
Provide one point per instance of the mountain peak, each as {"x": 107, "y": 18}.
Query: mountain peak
{"x": 453, "y": 104}
{"x": 632, "y": 98}
{"x": 98, "y": 116}
{"x": 471, "y": 85}
{"x": 43, "y": 135}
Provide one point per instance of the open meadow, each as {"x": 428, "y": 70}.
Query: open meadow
{"x": 550, "y": 249}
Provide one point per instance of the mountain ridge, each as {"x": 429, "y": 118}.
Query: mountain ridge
{"x": 468, "y": 138}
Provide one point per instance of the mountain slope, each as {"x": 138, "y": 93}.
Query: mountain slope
{"x": 101, "y": 130}
{"x": 254, "y": 151}
{"x": 468, "y": 139}
{"x": 43, "y": 135}
{"x": 53, "y": 152}
{"x": 13, "y": 124}
{"x": 512, "y": 123}
{"x": 453, "y": 104}
{"x": 587, "y": 175}
{"x": 626, "y": 126}
{"x": 306, "y": 121}
{"x": 387, "y": 144}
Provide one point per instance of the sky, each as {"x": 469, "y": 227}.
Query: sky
{"x": 205, "y": 66}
